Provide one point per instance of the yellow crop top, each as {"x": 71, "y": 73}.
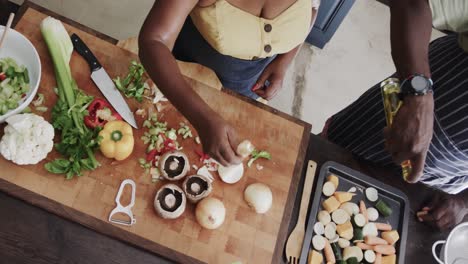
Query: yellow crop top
{"x": 237, "y": 33}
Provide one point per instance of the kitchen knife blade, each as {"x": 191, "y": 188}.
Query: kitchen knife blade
{"x": 104, "y": 82}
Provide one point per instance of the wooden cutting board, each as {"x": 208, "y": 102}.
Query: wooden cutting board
{"x": 245, "y": 236}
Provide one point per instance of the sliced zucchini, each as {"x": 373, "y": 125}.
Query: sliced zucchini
{"x": 352, "y": 260}
{"x": 336, "y": 251}
{"x": 357, "y": 235}
{"x": 359, "y": 220}
{"x": 383, "y": 208}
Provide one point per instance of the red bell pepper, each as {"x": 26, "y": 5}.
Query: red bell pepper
{"x": 168, "y": 145}
{"x": 93, "y": 119}
{"x": 2, "y": 76}
{"x": 202, "y": 155}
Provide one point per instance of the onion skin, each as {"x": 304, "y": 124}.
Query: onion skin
{"x": 245, "y": 148}
{"x": 259, "y": 197}
{"x": 210, "y": 213}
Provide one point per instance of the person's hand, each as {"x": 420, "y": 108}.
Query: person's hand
{"x": 411, "y": 133}
{"x": 219, "y": 140}
{"x": 444, "y": 211}
{"x": 274, "y": 74}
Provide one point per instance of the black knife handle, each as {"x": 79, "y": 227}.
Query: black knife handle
{"x": 85, "y": 52}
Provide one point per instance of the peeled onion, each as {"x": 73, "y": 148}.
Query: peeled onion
{"x": 231, "y": 174}
{"x": 259, "y": 197}
{"x": 245, "y": 148}
{"x": 210, "y": 213}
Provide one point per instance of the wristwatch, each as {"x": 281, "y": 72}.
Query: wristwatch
{"x": 416, "y": 84}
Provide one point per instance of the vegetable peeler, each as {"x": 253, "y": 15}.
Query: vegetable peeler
{"x": 121, "y": 209}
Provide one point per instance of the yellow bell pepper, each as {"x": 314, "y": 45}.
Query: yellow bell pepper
{"x": 117, "y": 140}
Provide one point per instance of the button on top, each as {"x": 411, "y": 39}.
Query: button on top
{"x": 267, "y": 48}
{"x": 268, "y": 27}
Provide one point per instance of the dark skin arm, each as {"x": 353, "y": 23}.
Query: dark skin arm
{"x": 411, "y": 132}
{"x": 445, "y": 210}
{"x": 156, "y": 40}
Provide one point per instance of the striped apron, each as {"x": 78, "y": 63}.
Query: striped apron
{"x": 359, "y": 126}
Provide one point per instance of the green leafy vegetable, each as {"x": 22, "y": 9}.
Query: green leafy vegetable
{"x": 77, "y": 142}
{"x": 258, "y": 154}
{"x": 133, "y": 85}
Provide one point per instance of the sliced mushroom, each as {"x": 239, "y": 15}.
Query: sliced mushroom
{"x": 197, "y": 187}
{"x": 174, "y": 165}
{"x": 170, "y": 201}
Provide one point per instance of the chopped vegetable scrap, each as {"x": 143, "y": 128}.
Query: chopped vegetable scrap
{"x": 184, "y": 131}
{"x": 14, "y": 84}
{"x": 256, "y": 154}
{"x": 133, "y": 85}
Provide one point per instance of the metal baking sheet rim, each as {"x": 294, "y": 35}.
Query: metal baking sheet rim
{"x": 372, "y": 182}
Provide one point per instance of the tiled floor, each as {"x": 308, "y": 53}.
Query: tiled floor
{"x": 318, "y": 84}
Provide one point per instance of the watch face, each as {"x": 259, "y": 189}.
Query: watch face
{"x": 419, "y": 83}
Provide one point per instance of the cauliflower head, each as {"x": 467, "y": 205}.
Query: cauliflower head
{"x": 28, "y": 139}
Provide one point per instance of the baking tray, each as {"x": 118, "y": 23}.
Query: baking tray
{"x": 348, "y": 178}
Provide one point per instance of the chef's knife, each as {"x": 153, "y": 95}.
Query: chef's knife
{"x": 103, "y": 81}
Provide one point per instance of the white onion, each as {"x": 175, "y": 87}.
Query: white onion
{"x": 231, "y": 174}
{"x": 245, "y": 148}
{"x": 210, "y": 213}
{"x": 259, "y": 197}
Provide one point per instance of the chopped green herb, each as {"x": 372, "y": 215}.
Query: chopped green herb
{"x": 258, "y": 154}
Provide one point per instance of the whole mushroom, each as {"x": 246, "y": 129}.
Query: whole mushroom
{"x": 170, "y": 201}
{"x": 174, "y": 165}
{"x": 197, "y": 187}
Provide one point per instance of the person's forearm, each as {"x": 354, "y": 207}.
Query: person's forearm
{"x": 411, "y": 26}
{"x": 286, "y": 58}
{"x": 164, "y": 71}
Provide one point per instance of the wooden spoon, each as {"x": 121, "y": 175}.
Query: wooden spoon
{"x": 7, "y": 27}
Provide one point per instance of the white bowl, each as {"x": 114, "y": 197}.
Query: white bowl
{"x": 19, "y": 48}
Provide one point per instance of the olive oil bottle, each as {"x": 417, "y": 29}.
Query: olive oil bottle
{"x": 392, "y": 103}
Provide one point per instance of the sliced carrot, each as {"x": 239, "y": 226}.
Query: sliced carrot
{"x": 363, "y": 209}
{"x": 372, "y": 240}
{"x": 385, "y": 249}
{"x": 329, "y": 256}
{"x": 383, "y": 226}
{"x": 364, "y": 246}
{"x": 378, "y": 258}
